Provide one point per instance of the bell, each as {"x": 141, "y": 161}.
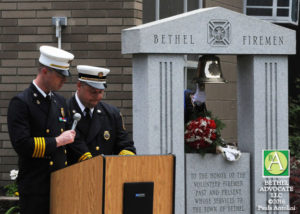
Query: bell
{"x": 209, "y": 70}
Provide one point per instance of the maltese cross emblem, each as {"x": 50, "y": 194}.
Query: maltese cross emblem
{"x": 219, "y": 33}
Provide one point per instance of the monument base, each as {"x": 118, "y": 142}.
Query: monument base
{"x": 215, "y": 185}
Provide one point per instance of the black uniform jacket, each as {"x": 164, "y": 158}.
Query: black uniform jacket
{"x": 106, "y": 133}
{"x": 33, "y": 124}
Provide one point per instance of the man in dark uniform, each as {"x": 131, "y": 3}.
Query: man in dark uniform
{"x": 101, "y": 129}
{"x": 37, "y": 119}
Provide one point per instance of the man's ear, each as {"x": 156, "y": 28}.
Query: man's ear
{"x": 44, "y": 70}
{"x": 78, "y": 84}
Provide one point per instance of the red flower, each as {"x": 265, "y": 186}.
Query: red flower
{"x": 212, "y": 124}
{"x": 200, "y": 133}
{"x": 213, "y": 136}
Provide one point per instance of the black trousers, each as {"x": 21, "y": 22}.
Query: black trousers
{"x": 34, "y": 204}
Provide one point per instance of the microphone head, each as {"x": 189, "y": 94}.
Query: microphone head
{"x": 77, "y": 117}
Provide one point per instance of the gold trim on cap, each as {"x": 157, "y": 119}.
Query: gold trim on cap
{"x": 93, "y": 79}
{"x": 59, "y": 66}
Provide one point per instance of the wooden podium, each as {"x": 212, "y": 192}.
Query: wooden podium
{"x": 96, "y": 185}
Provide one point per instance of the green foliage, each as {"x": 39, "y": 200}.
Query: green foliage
{"x": 294, "y": 127}
{"x": 295, "y": 183}
{"x": 11, "y": 189}
{"x": 294, "y": 146}
{"x": 13, "y": 210}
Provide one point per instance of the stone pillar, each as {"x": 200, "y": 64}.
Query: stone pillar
{"x": 262, "y": 114}
{"x": 158, "y": 112}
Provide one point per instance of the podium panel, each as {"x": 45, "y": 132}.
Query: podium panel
{"x": 96, "y": 185}
{"x": 158, "y": 169}
{"x": 77, "y": 189}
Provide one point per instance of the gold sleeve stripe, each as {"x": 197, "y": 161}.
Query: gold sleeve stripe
{"x": 43, "y": 147}
{"x": 38, "y": 151}
{"x": 88, "y": 156}
{"x": 39, "y": 147}
{"x": 85, "y": 156}
{"x": 126, "y": 152}
{"x": 35, "y": 145}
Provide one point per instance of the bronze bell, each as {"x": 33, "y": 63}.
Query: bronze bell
{"x": 209, "y": 70}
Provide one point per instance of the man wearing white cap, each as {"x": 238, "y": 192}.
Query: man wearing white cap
{"x": 37, "y": 123}
{"x": 101, "y": 129}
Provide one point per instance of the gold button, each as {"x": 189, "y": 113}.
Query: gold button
{"x": 65, "y": 151}
{"x": 97, "y": 148}
{"x": 47, "y": 131}
{"x": 62, "y": 130}
{"x": 51, "y": 163}
{"x": 66, "y": 163}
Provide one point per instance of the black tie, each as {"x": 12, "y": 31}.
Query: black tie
{"x": 87, "y": 113}
{"x": 84, "y": 124}
{"x": 48, "y": 98}
{"x": 48, "y": 102}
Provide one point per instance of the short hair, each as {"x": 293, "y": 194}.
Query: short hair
{"x": 41, "y": 66}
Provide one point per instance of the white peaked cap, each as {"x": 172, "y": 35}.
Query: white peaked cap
{"x": 56, "y": 58}
{"x": 93, "y": 76}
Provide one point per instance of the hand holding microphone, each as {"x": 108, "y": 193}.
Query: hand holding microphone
{"x": 76, "y": 118}
{"x": 68, "y": 136}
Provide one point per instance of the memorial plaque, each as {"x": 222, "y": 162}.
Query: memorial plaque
{"x": 159, "y": 63}
{"x": 215, "y": 185}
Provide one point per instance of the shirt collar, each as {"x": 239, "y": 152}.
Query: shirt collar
{"x": 81, "y": 106}
{"x": 41, "y": 91}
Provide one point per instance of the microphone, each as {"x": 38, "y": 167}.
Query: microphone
{"x": 76, "y": 118}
